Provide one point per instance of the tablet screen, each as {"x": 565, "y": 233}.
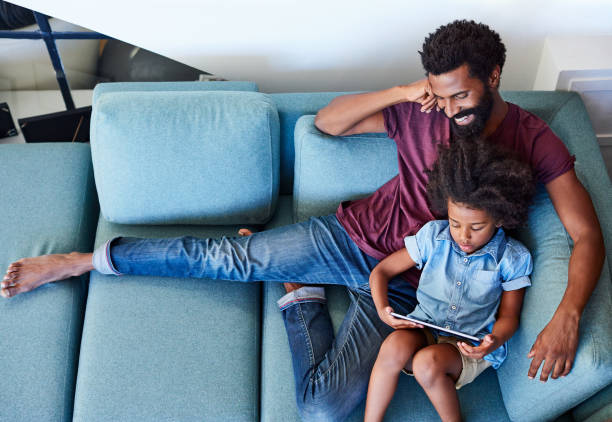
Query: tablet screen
{"x": 446, "y": 330}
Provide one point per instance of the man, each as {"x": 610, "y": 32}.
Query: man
{"x": 460, "y": 97}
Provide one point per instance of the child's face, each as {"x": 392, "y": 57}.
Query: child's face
{"x": 470, "y": 228}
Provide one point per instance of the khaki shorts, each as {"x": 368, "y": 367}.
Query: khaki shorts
{"x": 471, "y": 367}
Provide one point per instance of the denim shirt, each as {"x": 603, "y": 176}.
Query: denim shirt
{"x": 462, "y": 291}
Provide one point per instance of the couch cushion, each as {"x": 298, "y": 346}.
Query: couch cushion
{"x": 567, "y": 117}
{"x": 185, "y": 157}
{"x": 291, "y": 106}
{"x": 331, "y": 169}
{"x": 158, "y": 348}
{"x": 551, "y": 247}
{"x": 531, "y": 400}
{"x": 47, "y": 205}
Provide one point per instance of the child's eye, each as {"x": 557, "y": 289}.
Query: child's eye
{"x": 477, "y": 228}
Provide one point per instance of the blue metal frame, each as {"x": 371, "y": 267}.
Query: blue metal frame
{"x": 48, "y": 36}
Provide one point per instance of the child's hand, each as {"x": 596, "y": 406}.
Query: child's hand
{"x": 397, "y": 323}
{"x": 488, "y": 344}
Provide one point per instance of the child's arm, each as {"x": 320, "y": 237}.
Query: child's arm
{"x": 506, "y": 324}
{"x": 396, "y": 263}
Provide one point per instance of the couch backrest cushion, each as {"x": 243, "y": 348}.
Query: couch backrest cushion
{"x": 292, "y": 106}
{"x": 329, "y": 169}
{"x": 105, "y": 88}
{"x": 169, "y": 157}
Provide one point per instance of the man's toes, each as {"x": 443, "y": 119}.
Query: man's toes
{"x": 13, "y": 290}
{"x": 13, "y": 268}
{"x": 6, "y": 292}
{"x": 6, "y": 283}
{"x": 10, "y": 276}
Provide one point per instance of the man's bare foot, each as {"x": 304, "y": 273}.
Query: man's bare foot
{"x": 289, "y": 287}
{"x": 29, "y": 273}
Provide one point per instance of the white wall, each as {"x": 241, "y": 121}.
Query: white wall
{"x": 315, "y": 45}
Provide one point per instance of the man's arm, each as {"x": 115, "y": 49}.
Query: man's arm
{"x": 362, "y": 113}
{"x": 557, "y": 343}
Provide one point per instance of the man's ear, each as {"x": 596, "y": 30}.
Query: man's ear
{"x": 494, "y": 77}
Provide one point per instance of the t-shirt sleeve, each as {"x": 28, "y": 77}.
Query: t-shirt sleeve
{"x": 551, "y": 158}
{"x": 394, "y": 116}
{"x": 516, "y": 266}
{"x": 390, "y": 119}
{"x": 420, "y": 245}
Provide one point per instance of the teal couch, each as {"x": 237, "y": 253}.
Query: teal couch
{"x": 204, "y": 163}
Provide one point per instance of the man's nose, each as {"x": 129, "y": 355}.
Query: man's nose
{"x": 450, "y": 109}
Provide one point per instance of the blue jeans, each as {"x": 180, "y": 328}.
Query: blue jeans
{"x": 331, "y": 374}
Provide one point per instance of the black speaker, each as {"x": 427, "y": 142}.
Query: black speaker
{"x": 64, "y": 126}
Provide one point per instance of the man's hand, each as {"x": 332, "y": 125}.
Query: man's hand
{"x": 420, "y": 92}
{"x": 555, "y": 346}
{"x": 488, "y": 344}
{"x": 397, "y": 323}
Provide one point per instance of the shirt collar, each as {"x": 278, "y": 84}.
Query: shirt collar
{"x": 495, "y": 246}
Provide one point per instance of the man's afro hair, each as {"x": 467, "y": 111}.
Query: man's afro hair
{"x": 462, "y": 41}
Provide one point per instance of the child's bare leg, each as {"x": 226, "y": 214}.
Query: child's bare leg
{"x": 395, "y": 354}
{"x": 288, "y": 286}
{"x": 437, "y": 368}
{"x": 29, "y": 273}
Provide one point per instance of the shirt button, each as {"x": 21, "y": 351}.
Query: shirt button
{"x": 465, "y": 260}
{"x": 447, "y": 327}
{"x": 453, "y": 307}
{"x": 458, "y": 283}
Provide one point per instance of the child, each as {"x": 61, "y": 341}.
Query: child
{"x": 473, "y": 278}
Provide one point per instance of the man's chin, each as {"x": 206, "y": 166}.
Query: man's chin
{"x": 466, "y": 131}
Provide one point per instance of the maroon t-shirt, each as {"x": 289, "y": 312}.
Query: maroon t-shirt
{"x": 379, "y": 223}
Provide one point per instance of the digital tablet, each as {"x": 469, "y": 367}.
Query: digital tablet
{"x": 446, "y": 330}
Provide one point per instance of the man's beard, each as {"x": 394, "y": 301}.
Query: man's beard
{"x": 481, "y": 113}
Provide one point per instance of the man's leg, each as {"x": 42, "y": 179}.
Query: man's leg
{"x": 332, "y": 374}
{"x": 303, "y": 252}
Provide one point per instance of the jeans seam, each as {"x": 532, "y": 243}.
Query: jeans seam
{"x": 305, "y": 330}
{"x": 343, "y": 347}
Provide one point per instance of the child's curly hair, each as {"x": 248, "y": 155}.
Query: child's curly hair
{"x": 482, "y": 176}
